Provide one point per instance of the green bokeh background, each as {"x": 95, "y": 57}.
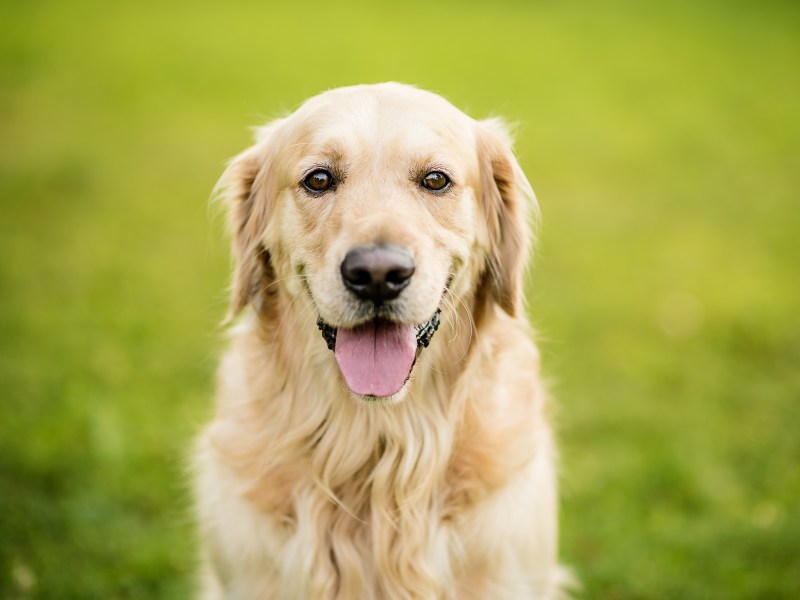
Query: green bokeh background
{"x": 663, "y": 140}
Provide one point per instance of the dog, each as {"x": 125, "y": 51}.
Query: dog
{"x": 381, "y": 429}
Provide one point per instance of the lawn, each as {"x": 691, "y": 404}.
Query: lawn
{"x": 664, "y": 145}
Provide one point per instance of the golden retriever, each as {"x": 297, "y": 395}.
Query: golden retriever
{"x": 380, "y": 427}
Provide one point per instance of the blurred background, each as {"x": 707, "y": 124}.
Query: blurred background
{"x": 663, "y": 140}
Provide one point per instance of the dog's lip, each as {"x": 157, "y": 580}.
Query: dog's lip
{"x": 363, "y": 381}
{"x": 425, "y": 330}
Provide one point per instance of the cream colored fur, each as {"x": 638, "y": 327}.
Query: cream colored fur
{"x": 445, "y": 490}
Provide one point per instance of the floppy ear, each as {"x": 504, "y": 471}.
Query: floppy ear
{"x": 247, "y": 187}
{"x": 507, "y": 201}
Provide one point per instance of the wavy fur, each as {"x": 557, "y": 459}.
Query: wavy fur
{"x": 448, "y": 491}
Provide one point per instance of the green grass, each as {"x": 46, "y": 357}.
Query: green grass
{"x": 663, "y": 143}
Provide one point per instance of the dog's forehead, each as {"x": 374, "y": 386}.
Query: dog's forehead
{"x": 381, "y": 116}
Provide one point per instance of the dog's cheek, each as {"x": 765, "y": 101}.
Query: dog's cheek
{"x": 324, "y": 280}
{"x": 433, "y": 271}
{"x": 293, "y": 253}
{"x": 461, "y": 250}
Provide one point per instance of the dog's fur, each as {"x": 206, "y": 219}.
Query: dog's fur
{"x": 447, "y": 488}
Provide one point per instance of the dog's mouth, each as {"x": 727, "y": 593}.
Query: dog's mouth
{"x": 376, "y": 358}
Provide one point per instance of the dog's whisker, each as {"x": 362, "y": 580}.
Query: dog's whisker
{"x": 302, "y": 312}
{"x": 300, "y": 276}
{"x": 449, "y": 295}
{"x": 454, "y": 317}
{"x": 472, "y": 330}
{"x": 281, "y": 280}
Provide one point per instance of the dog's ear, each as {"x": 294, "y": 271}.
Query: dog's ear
{"x": 508, "y": 203}
{"x": 247, "y": 187}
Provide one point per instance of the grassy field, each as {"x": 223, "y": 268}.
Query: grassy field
{"x": 663, "y": 142}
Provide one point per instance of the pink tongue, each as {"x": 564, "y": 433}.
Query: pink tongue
{"x": 376, "y": 357}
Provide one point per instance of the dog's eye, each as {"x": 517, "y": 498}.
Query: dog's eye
{"x": 435, "y": 181}
{"x": 318, "y": 181}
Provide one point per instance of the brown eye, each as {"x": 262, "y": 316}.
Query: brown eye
{"x": 318, "y": 181}
{"x": 435, "y": 181}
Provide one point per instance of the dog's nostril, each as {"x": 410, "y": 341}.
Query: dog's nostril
{"x": 377, "y": 273}
{"x": 359, "y": 277}
{"x": 399, "y": 276}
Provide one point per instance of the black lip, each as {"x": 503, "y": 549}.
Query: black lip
{"x": 328, "y": 333}
{"x": 426, "y": 330}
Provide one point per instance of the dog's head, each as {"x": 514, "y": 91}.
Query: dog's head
{"x": 372, "y": 204}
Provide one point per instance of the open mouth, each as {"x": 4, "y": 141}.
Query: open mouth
{"x": 376, "y": 358}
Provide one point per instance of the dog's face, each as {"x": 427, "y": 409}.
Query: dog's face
{"x": 374, "y": 204}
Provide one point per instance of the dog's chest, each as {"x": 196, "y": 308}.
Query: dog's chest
{"x": 384, "y": 530}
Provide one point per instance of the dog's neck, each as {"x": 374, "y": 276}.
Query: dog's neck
{"x": 294, "y": 369}
{"x": 368, "y": 470}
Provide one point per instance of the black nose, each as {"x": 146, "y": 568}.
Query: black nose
{"x": 377, "y": 273}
